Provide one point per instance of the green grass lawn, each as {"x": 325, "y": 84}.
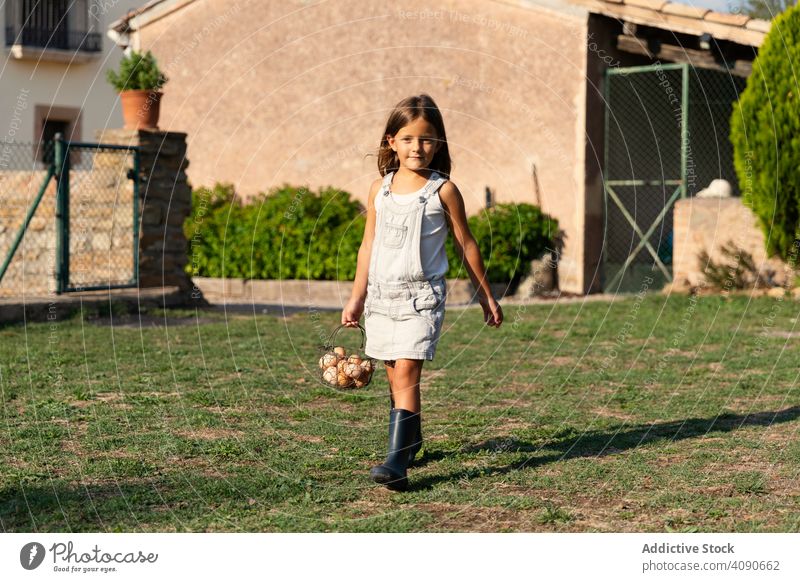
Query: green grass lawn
{"x": 675, "y": 414}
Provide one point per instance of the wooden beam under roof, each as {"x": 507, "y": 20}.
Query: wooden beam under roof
{"x": 678, "y": 54}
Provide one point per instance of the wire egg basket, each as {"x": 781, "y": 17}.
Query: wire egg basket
{"x": 345, "y": 369}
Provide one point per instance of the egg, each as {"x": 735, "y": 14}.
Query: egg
{"x": 353, "y": 370}
{"x": 360, "y": 383}
{"x": 339, "y": 351}
{"x": 329, "y": 359}
{"x": 331, "y": 375}
{"x": 354, "y": 359}
{"x": 344, "y": 380}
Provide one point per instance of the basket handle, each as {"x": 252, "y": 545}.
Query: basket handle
{"x": 332, "y": 337}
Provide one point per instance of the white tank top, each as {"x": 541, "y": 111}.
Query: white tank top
{"x": 433, "y": 254}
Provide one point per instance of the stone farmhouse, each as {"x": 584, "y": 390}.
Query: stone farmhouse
{"x": 603, "y": 112}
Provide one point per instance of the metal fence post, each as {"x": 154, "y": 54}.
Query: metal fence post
{"x": 136, "y": 217}
{"x": 684, "y": 127}
{"x": 26, "y": 223}
{"x": 61, "y": 162}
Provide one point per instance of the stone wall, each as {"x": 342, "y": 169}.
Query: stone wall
{"x": 101, "y": 218}
{"x": 708, "y": 224}
{"x": 310, "y": 293}
{"x": 32, "y": 272}
{"x": 165, "y": 202}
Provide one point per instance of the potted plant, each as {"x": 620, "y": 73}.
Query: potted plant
{"x": 138, "y": 83}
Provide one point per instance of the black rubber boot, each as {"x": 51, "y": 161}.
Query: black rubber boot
{"x": 415, "y": 448}
{"x": 416, "y": 442}
{"x": 403, "y": 426}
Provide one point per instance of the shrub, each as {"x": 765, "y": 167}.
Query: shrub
{"x": 290, "y": 233}
{"x": 509, "y": 237}
{"x": 137, "y": 71}
{"x": 737, "y": 271}
{"x": 764, "y": 132}
{"x": 293, "y": 233}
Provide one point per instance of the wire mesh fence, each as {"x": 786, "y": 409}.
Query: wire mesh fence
{"x": 667, "y": 132}
{"x": 65, "y": 231}
{"x": 711, "y": 98}
{"x": 101, "y": 217}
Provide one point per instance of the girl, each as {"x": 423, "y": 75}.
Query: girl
{"x": 402, "y": 264}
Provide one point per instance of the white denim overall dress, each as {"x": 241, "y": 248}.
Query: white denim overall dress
{"x": 404, "y": 310}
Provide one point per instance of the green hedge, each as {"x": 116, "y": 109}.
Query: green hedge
{"x": 765, "y": 133}
{"x": 509, "y": 236}
{"x": 294, "y": 233}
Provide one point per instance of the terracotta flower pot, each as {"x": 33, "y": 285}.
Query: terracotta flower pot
{"x": 140, "y": 108}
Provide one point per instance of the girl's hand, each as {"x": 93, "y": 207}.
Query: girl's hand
{"x": 492, "y": 312}
{"x": 352, "y": 312}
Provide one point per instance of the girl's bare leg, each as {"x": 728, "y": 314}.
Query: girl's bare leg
{"x": 404, "y": 376}
{"x": 389, "y": 366}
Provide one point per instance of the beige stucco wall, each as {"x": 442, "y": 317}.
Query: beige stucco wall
{"x": 274, "y": 92}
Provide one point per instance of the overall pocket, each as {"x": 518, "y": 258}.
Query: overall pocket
{"x": 429, "y": 299}
{"x": 394, "y": 235}
{"x": 367, "y": 307}
{"x": 424, "y": 304}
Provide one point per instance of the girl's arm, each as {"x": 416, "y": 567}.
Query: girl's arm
{"x": 468, "y": 251}
{"x": 355, "y": 306}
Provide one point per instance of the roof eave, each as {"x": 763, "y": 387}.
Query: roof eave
{"x": 750, "y": 32}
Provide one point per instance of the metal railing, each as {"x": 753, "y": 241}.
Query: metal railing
{"x": 54, "y": 38}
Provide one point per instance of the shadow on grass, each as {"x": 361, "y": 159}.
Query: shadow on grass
{"x": 598, "y": 443}
{"x": 182, "y": 502}
{"x": 69, "y": 507}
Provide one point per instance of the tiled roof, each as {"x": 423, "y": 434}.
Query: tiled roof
{"x": 681, "y": 18}
{"x": 154, "y": 7}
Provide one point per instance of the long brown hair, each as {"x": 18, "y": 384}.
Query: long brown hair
{"x": 404, "y": 113}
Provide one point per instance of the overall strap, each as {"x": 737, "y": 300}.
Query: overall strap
{"x": 434, "y": 183}
{"x": 387, "y": 183}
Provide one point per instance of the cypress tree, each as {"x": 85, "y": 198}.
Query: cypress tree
{"x": 765, "y": 133}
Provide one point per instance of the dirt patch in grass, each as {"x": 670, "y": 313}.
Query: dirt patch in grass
{"x": 76, "y": 433}
{"x": 551, "y": 514}
{"x": 117, "y": 399}
{"x": 111, "y": 398}
{"x": 606, "y": 413}
{"x": 664, "y": 460}
{"x": 477, "y": 519}
{"x": 149, "y": 321}
{"x": 563, "y": 361}
{"x": 209, "y": 433}
{"x": 321, "y": 404}
{"x": 512, "y": 489}
{"x": 756, "y": 404}
{"x": 188, "y": 466}
{"x": 447, "y": 516}
{"x": 785, "y": 334}
{"x": 778, "y": 434}
{"x": 713, "y": 366}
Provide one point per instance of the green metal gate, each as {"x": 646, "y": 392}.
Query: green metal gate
{"x": 666, "y": 137}
{"x": 95, "y": 202}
